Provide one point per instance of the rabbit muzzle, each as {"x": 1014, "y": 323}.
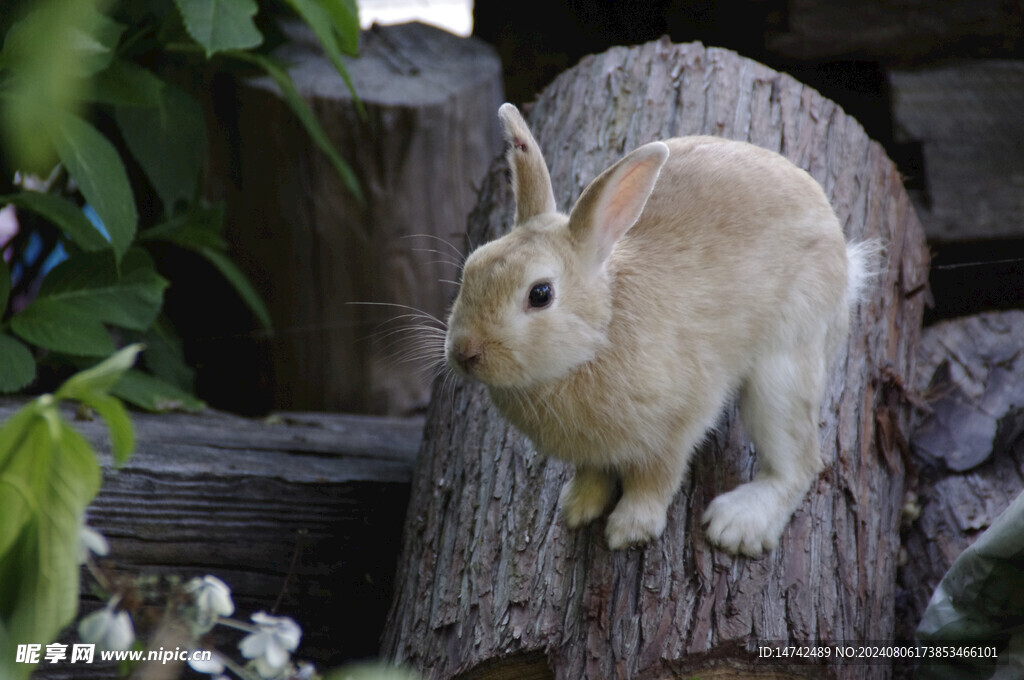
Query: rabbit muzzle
{"x": 466, "y": 354}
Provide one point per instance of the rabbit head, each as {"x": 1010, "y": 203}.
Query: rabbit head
{"x": 535, "y": 304}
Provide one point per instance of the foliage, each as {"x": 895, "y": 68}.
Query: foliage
{"x": 48, "y": 475}
{"x": 371, "y": 671}
{"x": 99, "y": 98}
{"x": 980, "y": 604}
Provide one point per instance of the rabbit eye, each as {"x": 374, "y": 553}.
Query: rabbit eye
{"x": 541, "y": 295}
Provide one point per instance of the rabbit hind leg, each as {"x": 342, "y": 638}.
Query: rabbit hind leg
{"x": 779, "y": 404}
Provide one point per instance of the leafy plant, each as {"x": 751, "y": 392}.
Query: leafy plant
{"x": 92, "y": 93}
{"x": 978, "y": 607}
{"x": 48, "y": 475}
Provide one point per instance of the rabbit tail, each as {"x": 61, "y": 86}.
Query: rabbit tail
{"x": 863, "y": 265}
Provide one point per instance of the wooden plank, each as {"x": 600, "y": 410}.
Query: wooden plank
{"x": 886, "y": 30}
{"x": 966, "y": 116}
{"x": 306, "y": 506}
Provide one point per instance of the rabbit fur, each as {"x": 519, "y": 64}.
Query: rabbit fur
{"x": 691, "y": 271}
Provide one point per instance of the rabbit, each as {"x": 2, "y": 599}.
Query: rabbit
{"x": 691, "y": 271}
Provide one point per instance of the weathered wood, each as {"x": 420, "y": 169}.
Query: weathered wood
{"x": 967, "y": 118}
{"x": 911, "y": 29}
{"x": 307, "y": 507}
{"x": 313, "y": 250}
{"x": 970, "y": 445}
{"x": 492, "y": 585}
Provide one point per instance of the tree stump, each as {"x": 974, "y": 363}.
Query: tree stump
{"x": 419, "y": 154}
{"x": 491, "y": 584}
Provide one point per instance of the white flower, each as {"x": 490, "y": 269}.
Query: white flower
{"x": 212, "y": 666}
{"x": 305, "y": 671}
{"x": 91, "y": 541}
{"x": 270, "y": 646}
{"x": 212, "y": 599}
{"x": 108, "y": 630}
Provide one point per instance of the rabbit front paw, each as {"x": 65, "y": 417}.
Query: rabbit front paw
{"x": 632, "y": 523}
{"x": 747, "y": 520}
{"x": 585, "y": 497}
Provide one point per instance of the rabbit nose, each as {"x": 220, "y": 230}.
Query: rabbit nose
{"x": 467, "y": 353}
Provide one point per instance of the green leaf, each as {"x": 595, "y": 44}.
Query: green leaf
{"x": 151, "y": 393}
{"x": 89, "y": 281}
{"x": 122, "y": 436}
{"x": 169, "y": 141}
{"x": 48, "y": 477}
{"x": 101, "y": 378}
{"x": 56, "y": 326}
{"x": 94, "y": 40}
{"x": 336, "y": 25}
{"x": 23, "y": 488}
{"x": 308, "y": 120}
{"x": 64, "y": 214}
{"x": 345, "y": 17}
{"x": 83, "y": 293}
{"x": 241, "y": 284}
{"x": 199, "y": 231}
{"x": 17, "y": 492}
{"x": 125, "y": 83}
{"x": 93, "y": 387}
{"x": 39, "y": 572}
{"x": 49, "y": 56}
{"x": 96, "y": 167}
{"x": 220, "y": 25}
{"x": 981, "y": 600}
{"x": 165, "y": 356}
{"x": 62, "y": 34}
{"x": 371, "y": 671}
{"x": 201, "y": 227}
{"x": 17, "y": 366}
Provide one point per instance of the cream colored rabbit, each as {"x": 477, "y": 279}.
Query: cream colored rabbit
{"x": 690, "y": 271}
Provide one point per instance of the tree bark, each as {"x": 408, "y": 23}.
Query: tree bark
{"x": 313, "y": 250}
{"x": 491, "y": 584}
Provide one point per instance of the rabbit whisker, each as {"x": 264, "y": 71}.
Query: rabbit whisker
{"x": 427, "y": 315}
{"x": 454, "y": 249}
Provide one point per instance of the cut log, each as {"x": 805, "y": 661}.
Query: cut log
{"x": 304, "y": 510}
{"x": 969, "y": 444}
{"x": 419, "y": 155}
{"x": 491, "y": 584}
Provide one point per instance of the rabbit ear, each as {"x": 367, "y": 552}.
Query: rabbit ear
{"x": 531, "y": 182}
{"x": 612, "y": 203}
